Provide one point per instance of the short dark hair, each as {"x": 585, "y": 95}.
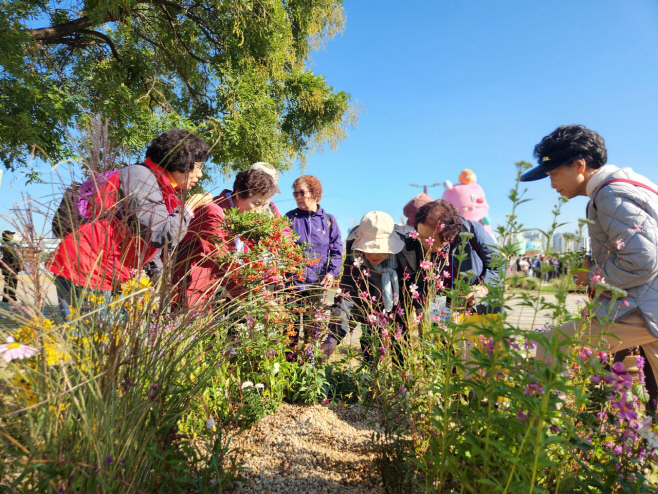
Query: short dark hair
{"x": 437, "y": 213}
{"x": 569, "y": 141}
{"x": 251, "y": 182}
{"x": 313, "y": 184}
{"x": 177, "y": 150}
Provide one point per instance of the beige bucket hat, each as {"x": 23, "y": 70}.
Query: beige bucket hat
{"x": 264, "y": 167}
{"x": 376, "y": 234}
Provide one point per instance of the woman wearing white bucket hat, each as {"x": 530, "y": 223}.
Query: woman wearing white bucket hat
{"x": 381, "y": 258}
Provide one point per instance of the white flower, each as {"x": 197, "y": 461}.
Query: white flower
{"x": 357, "y": 262}
{"x": 210, "y": 424}
{"x": 16, "y": 351}
{"x": 247, "y": 384}
{"x": 275, "y": 369}
{"x": 413, "y": 288}
{"x": 260, "y": 386}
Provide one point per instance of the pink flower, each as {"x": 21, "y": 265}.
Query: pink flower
{"x": 619, "y": 244}
{"x": 364, "y": 295}
{"x": 429, "y": 241}
{"x": 415, "y": 295}
{"x": 414, "y": 235}
{"x": 365, "y": 273}
{"x": 442, "y": 226}
{"x": 16, "y": 351}
{"x": 372, "y": 319}
{"x": 625, "y": 302}
{"x": 625, "y": 409}
{"x": 425, "y": 264}
{"x": 446, "y": 275}
{"x": 398, "y": 334}
{"x": 406, "y": 276}
{"x": 385, "y": 333}
{"x": 357, "y": 262}
{"x": 598, "y": 279}
{"x": 522, "y": 415}
{"x": 637, "y": 228}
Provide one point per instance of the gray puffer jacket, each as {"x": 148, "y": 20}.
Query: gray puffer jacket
{"x": 624, "y": 237}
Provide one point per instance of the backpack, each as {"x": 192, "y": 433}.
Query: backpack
{"x": 76, "y": 206}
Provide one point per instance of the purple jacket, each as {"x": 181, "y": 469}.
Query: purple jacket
{"x": 321, "y": 231}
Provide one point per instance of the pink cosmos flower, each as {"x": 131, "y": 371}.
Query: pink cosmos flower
{"x": 625, "y": 409}
{"x": 16, "y": 351}
{"x": 425, "y": 265}
{"x": 619, "y": 244}
{"x": 414, "y": 235}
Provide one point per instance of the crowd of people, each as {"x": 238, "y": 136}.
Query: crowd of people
{"x": 540, "y": 266}
{"x": 157, "y": 221}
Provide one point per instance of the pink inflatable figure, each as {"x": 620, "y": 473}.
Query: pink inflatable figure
{"x": 468, "y": 197}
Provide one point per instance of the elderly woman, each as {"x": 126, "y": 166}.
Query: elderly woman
{"x": 198, "y": 273}
{"x": 439, "y": 224}
{"x": 134, "y": 213}
{"x": 381, "y": 259}
{"x": 319, "y": 230}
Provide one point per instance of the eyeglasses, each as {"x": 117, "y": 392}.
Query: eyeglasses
{"x": 300, "y": 193}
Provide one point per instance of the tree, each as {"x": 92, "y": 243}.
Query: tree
{"x": 232, "y": 70}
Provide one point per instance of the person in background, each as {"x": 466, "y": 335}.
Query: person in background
{"x": 139, "y": 212}
{"x": 319, "y": 230}
{"x": 198, "y": 275}
{"x": 439, "y": 224}
{"x": 623, "y": 227}
{"x": 10, "y": 266}
{"x": 382, "y": 259}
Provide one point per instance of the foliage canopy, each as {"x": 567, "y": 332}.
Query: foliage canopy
{"x": 232, "y": 70}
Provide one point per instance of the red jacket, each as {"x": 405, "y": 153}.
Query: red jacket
{"x": 198, "y": 273}
{"x": 130, "y": 223}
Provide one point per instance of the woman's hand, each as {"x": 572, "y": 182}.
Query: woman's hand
{"x": 327, "y": 281}
{"x": 329, "y": 346}
{"x": 196, "y": 201}
{"x": 477, "y": 292}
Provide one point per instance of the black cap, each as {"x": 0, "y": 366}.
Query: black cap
{"x": 546, "y": 165}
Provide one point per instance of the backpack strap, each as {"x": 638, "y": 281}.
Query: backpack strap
{"x": 624, "y": 180}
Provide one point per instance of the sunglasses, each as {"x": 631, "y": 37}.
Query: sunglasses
{"x": 300, "y": 193}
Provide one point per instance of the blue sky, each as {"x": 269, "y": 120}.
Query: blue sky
{"x": 447, "y": 85}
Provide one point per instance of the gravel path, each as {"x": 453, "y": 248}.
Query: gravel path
{"x": 311, "y": 449}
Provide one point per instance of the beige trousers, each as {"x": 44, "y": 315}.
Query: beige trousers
{"x": 629, "y": 332}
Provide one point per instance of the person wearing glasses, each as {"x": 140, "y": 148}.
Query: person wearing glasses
{"x": 439, "y": 226}
{"x": 319, "y": 231}
{"x": 199, "y": 275}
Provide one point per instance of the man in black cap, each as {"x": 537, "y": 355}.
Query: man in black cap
{"x": 623, "y": 214}
{"x": 10, "y": 265}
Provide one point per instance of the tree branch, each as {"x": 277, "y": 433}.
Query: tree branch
{"x": 105, "y": 38}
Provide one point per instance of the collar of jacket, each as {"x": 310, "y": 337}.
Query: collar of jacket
{"x": 598, "y": 178}
{"x": 303, "y": 213}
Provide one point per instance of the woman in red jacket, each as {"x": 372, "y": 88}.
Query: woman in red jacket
{"x": 199, "y": 274}
{"x": 135, "y": 213}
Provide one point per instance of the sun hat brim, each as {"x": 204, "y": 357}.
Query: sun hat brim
{"x": 391, "y": 245}
{"x": 540, "y": 171}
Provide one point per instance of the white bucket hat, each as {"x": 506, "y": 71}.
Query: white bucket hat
{"x": 377, "y": 235}
{"x": 264, "y": 167}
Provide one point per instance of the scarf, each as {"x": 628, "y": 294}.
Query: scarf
{"x": 390, "y": 285}
{"x": 171, "y": 199}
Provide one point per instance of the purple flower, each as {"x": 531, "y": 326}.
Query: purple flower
{"x": 109, "y": 460}
{"x": 533, "y": 389}
{"x": 522, "y": 415}
{"x": 625, "y": 409}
